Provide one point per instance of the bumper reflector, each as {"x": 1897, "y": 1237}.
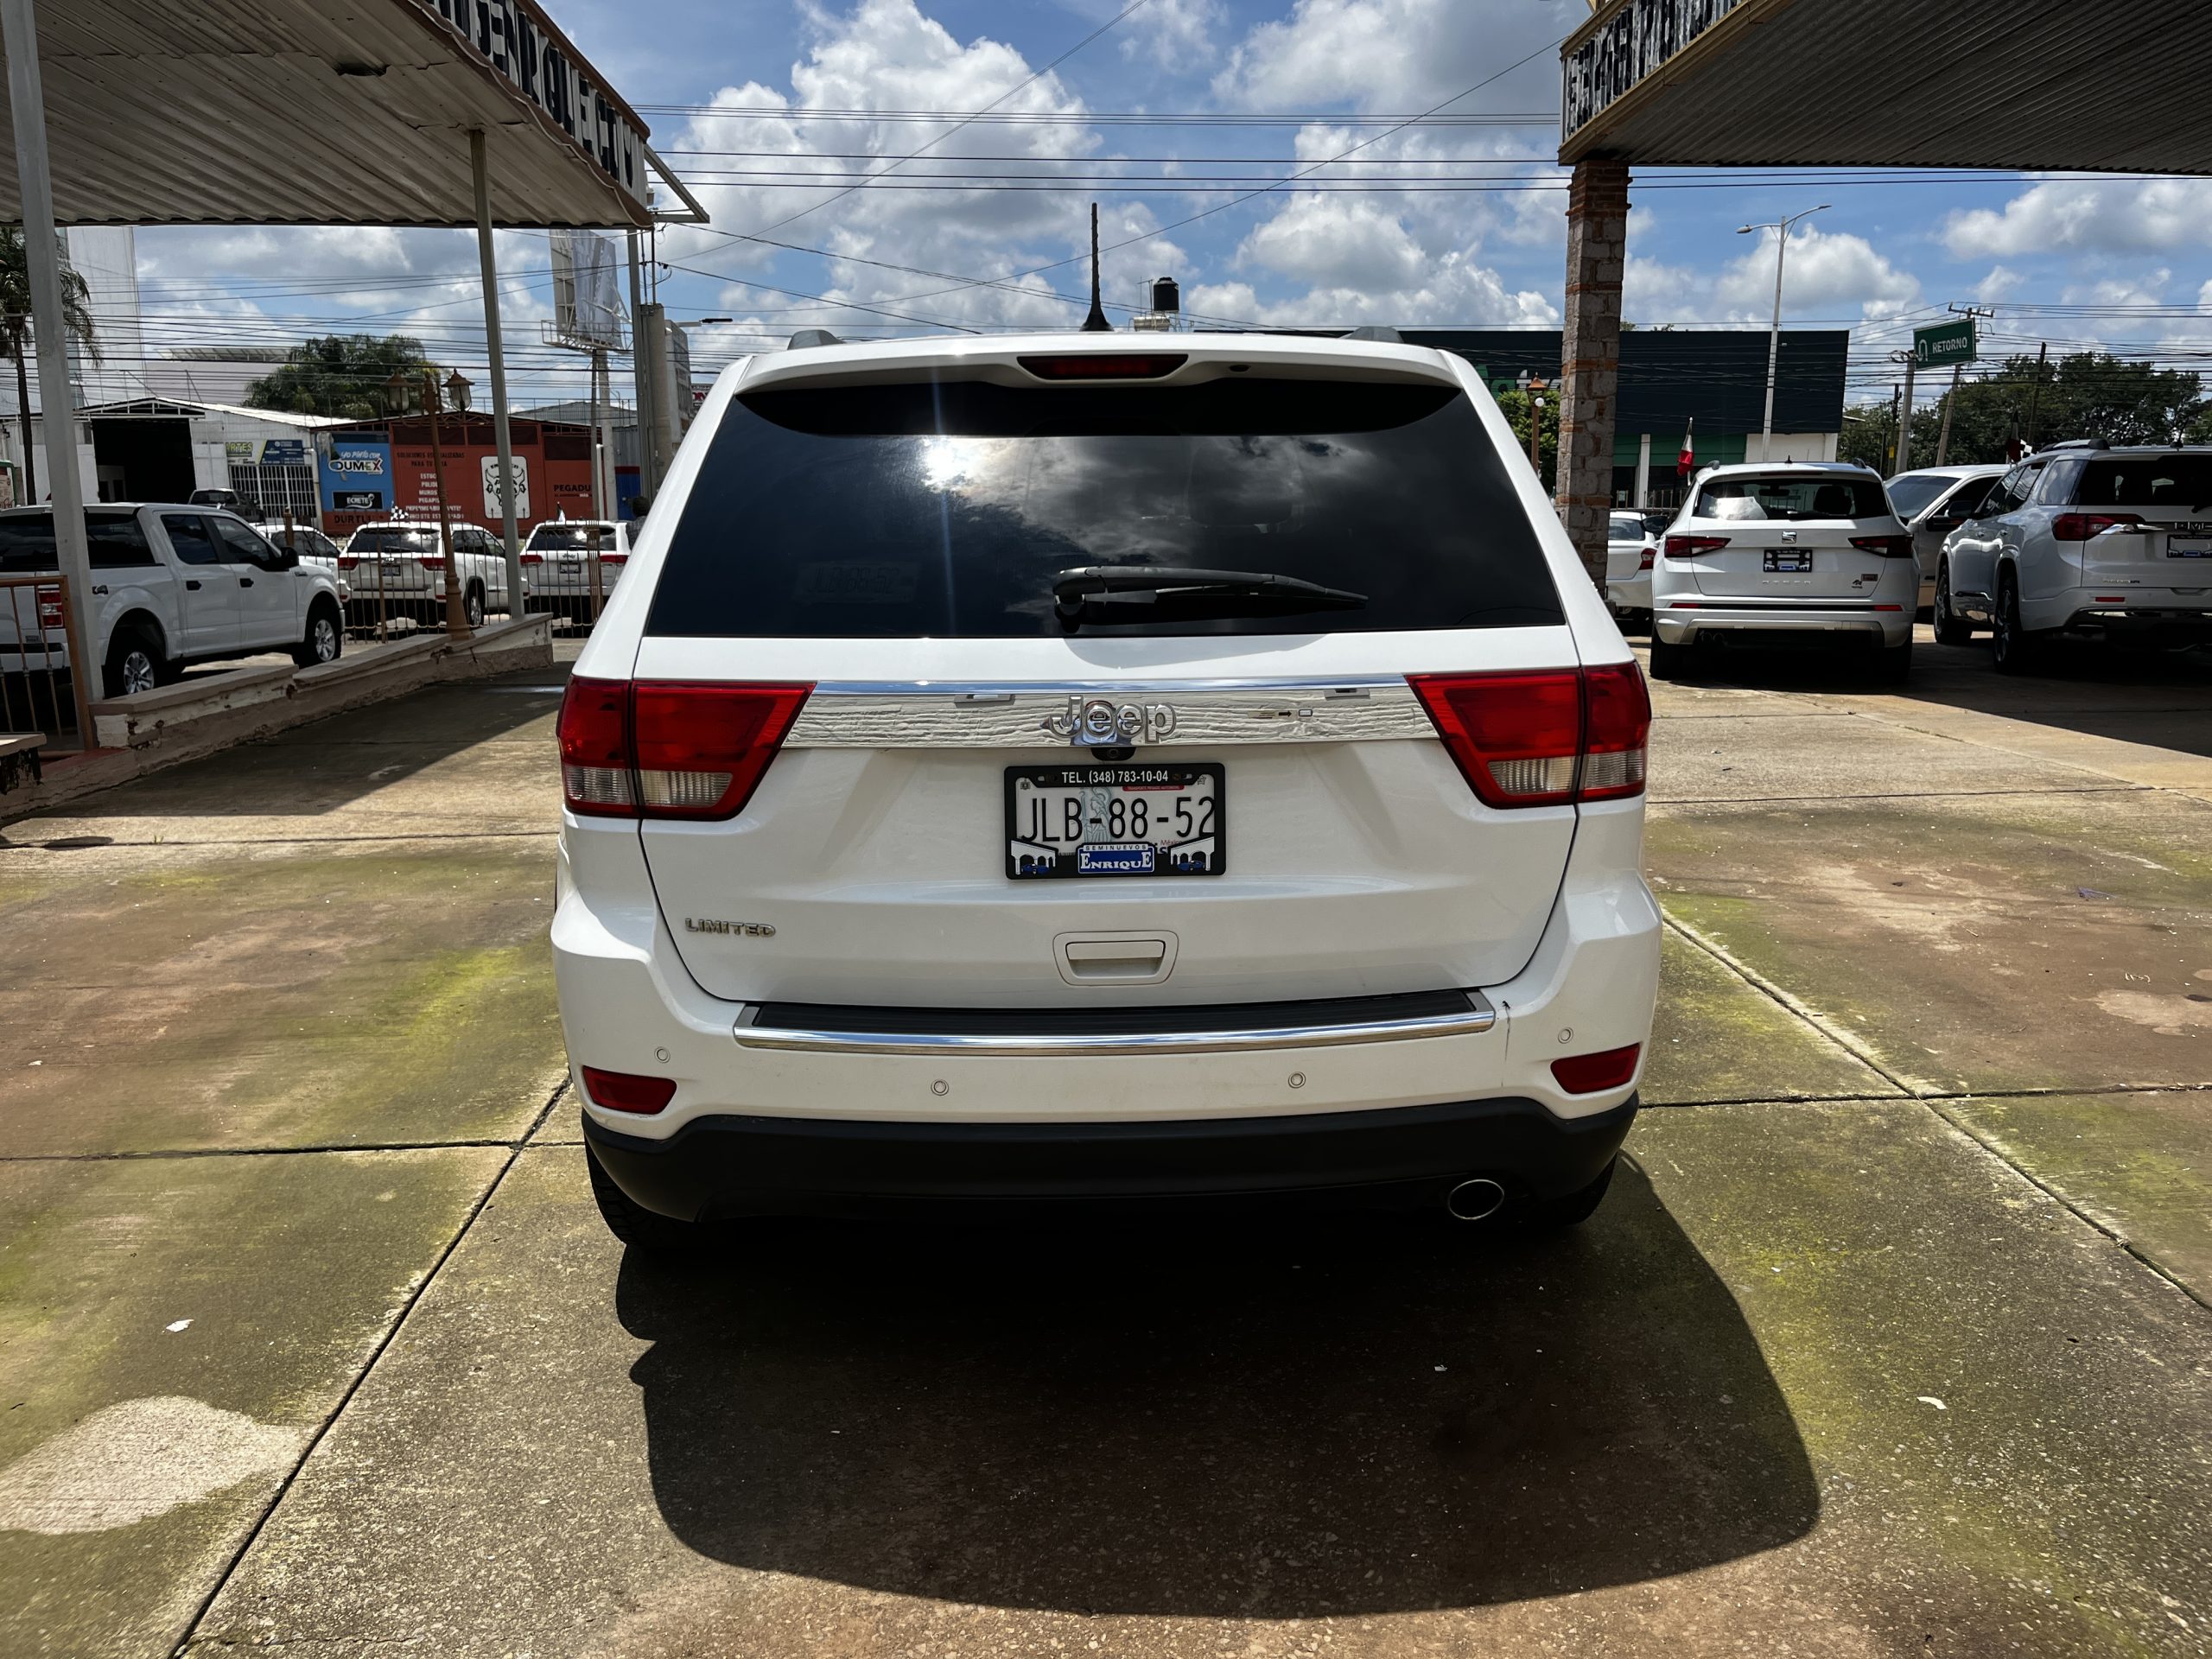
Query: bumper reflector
{"x": 1590, "y": 1074}
{"x": 625, "y": 1092}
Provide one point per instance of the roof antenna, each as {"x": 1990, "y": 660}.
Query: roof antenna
{"x": 1095, "y": 323}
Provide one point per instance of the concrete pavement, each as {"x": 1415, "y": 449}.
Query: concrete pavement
{"x": 1893, "y": 1339}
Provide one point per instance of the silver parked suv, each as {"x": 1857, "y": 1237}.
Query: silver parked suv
{"x": 2083, "y": 539}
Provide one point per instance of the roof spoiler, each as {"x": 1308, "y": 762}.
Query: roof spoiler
{"x": 1375, "y": 331}
{"x": 807, "y": 339}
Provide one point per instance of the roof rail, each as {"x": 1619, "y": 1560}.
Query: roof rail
{"x": 2077, "y": 443}
{"x": 807, "y": 339}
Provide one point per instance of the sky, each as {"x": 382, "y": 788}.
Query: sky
{"x": 1472, "y": 234}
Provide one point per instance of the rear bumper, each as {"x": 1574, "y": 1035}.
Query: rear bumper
{"x": 721, "y": 1167}
{"x": 1630, "y": 593}
{"x": 1844, "y": 625}
{"x": 2146, "y": 623}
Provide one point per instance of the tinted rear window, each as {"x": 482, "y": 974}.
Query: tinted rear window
{"x": 948, "y": 510}
{"x": 27, "y": 542}
{"x": 391, "y": 541}
{"x": 1910, "y": 495}
{"x": 1793, "y": 498}
{"x": 1627, "y": 527}
{"x": 2184, "y": 480}
{"x": 550, "y": 537}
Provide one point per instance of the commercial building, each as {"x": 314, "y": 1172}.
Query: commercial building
{"x": 370, "y": 469}
{"x": 1703, "y": 387}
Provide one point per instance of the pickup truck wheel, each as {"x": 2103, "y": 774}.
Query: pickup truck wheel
{"x": 472, "y": 606}
{"x": 325, "y": 639}
{"x": 635, "y": 1225}
{"x": 134, "y": 664}
{"x": 1951, "y": 628}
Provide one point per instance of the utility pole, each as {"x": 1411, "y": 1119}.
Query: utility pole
{"x": 1943, "y": 437}
{"x": 1896, "y": 403}
{"x": 2034, "y": 398}
{"x": 1781, "y": 228}
{"x": 434, "y": 407}
{"x": 1904, "y": 414}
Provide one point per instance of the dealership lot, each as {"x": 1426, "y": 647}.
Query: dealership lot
{"x": 1895, "y": 1338}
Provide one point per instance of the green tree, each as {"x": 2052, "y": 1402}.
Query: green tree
{"x": 15, "y": 325}
{"x": 2084, "y": 395}
{"x": 1513, "y": 403}
{"x": 339, "y": 375}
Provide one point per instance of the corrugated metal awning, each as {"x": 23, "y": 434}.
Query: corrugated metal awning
{"x": 2040, "y": 84}
{"x": 326, "y": 112}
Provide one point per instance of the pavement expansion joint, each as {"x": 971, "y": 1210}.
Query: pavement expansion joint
{"x": 1939, "y": 1101}
{"x": 392, "y": 1328}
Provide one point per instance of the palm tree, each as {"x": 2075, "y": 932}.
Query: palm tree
{"x": 16, "y": 326}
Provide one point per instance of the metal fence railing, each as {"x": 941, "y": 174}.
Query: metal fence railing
{"x": 40, "y": 689}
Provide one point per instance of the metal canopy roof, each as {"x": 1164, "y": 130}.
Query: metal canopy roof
{"x": 2055, "y": 84}
{"x": 326, "y": 112}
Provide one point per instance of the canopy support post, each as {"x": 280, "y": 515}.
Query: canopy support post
{"x": 480, "y": 174}
{"x": 41, "y": 243}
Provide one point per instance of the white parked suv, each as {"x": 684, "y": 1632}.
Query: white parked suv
{"x": 557, "y": 563}
{"x": 172, "y": 585}
{"x": 1932, "y": 502}
{"x": 398, "y": 568}
{"x": 1766, "y": 556}
{"x": 2102, "y": 543}
{"x": 1038, "y": 767}
{"x": 1630, "y": 551}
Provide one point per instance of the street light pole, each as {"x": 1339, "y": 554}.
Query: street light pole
{"x": 434, "y": 407}
{"x": 1781, "y": 228}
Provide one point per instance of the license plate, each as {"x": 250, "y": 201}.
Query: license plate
{"x": 2189, "y": 547}
{"x": 1781, "y": 560}
{"x": 1062, "y": 821}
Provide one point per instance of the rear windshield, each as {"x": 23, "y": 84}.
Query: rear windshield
{"x": 2183, "y": 480}
{"x": 952, "y": 510}
{"x": 557, "y": 537}
{"x": 1910, "y": 495}
{"x": 1627, "y": 527}
{"x": 391, "y": 539}
{"x": 27, "y": 542}
{"x": 1792, "y": 498}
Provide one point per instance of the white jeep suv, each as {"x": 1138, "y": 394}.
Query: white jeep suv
{"x": 1064, "y": 767}
{"x": 2102, "y": 543}
{"x": 1805, "y": 553}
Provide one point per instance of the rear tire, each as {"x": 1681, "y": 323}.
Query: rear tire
{"x": 1669, "y": 661}
{"x": 134, "y": 663}
{"x": 1551, "y": 1215}
{"x": 472, "y": 606}
{"x": 2012, "y": 647}
{"x": 636, "y": 1226}
{"x": 326, "y": 637}
{"x": 1951, "y": 628}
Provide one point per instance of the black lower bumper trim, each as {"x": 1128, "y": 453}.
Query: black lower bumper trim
{"x": 724, "y": 1167}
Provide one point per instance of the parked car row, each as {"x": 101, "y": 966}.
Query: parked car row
{"x": 397, "y": 569}
{"x": 173, "y": 584}
{"x": 557, "y": 562}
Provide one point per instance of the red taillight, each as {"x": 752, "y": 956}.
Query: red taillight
{"x": 595, "y": 760}
{"x": 625, "y": 1092}
{"x": 1589, "y": 1074}
{"x": 533, "y": 558}
{"x": 1616, "y": 730}
{"x": 2080, "y": 526}
{"x": 432, "y": 561}
{"x": 345, "y": 563}
{"x": 1644, "y": 562}
{"x": 1128, "y": 366}
{"x": 614, "y": 558}
{"x": 1689, "y": 547}
{"x": 49, "y": 607}
{"x": 1543, "y": 739}
{"x": 1889, "y": 547}
{"x": 656, "y": 749}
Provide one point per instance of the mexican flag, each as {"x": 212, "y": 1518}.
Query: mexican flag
{"x": 1685, "y": 462}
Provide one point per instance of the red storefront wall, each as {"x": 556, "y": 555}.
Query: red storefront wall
{"x": 554, "y": 461}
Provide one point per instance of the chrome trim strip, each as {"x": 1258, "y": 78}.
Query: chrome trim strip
{"x": 890, "y": 714}
{"x": 1479, "y": 1017}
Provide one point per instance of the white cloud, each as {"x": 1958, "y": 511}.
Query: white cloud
{"x": 1393, "y": 55}
{"x": 1175, "y": 34}
{"x": 2146, "y": 215}
{"x": 1826, "y": 273}
{"x": 2002, "y": 283}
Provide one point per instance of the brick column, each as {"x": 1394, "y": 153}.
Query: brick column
{"x": 1597, "y": 247}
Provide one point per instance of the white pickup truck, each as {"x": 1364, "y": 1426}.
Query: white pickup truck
{"x": 403, "y": 562}
{"x": 172, "y": 585}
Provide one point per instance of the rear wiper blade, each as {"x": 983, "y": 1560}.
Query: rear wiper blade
{"x": 1138, "y": 588}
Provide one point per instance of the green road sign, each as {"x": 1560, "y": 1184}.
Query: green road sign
{"x": 1944, "y": 343}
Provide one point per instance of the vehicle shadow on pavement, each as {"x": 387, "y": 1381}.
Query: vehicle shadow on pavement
{"x": 1301, "y": 1418}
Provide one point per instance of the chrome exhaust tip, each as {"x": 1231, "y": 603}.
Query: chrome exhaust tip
{"x": 1475, "y": 1200}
